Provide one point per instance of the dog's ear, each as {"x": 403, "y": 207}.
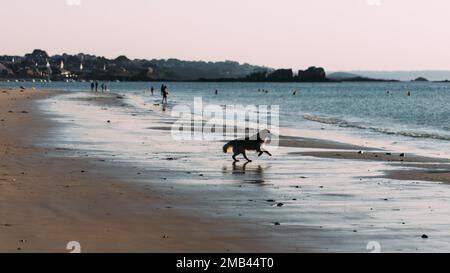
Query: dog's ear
{"x": 258, "y": 136}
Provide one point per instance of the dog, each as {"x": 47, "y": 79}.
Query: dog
{"x": 240, "y": 146}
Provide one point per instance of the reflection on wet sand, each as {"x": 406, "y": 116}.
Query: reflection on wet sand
{"x": 246, "y": 173}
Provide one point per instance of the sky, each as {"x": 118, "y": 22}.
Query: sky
{"x": 335, "y": 34}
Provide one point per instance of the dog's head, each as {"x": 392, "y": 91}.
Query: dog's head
{"x": 263, "y": 135}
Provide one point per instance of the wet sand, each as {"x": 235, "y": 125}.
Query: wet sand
{"x": 408, "y": 167}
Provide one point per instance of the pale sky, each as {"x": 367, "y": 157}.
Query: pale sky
{"x": 335, "y": 34}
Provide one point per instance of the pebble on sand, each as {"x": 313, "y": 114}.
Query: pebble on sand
{"x": 424, "y": 236}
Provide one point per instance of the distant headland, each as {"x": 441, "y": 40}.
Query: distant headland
{"x": 38, "y": 65}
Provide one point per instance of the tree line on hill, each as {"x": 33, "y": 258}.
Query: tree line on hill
{"x": 86, "y": 67}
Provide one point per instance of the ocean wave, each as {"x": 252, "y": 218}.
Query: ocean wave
{"x": 347, "y": 124}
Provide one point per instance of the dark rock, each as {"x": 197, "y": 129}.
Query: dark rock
{"x": 424, "y": 236}
{"x": 312, "y": 74}
{"x": 281, "y": 75}
{"x": 421, "y": 79}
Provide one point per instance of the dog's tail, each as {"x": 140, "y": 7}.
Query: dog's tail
{"x": 227, "y": 147}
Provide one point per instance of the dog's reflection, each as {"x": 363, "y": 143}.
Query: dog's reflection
{"x": 246, "y": 172}
{"x": 243, "y": 168}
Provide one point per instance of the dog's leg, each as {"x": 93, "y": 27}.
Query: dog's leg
{"x": 259, "y": 152}
{"x": 268, "y": 153}
{"x": 245, "y": 156}
{"x": 234, "y": 157}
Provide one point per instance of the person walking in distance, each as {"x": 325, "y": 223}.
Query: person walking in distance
{"x": 165, "y": 93}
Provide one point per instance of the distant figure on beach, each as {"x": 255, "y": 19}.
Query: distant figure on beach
{"x": 216, "y": 92}
{"x": 164, "y": 93}
{"x": 409, "y": 93}
{"x": 92, "y": 86}
{"x": 295, "y": 93}
{"x": 103, "y": 87}
{"x": 152, "y": 90}
{"x": 96, "y": 86}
